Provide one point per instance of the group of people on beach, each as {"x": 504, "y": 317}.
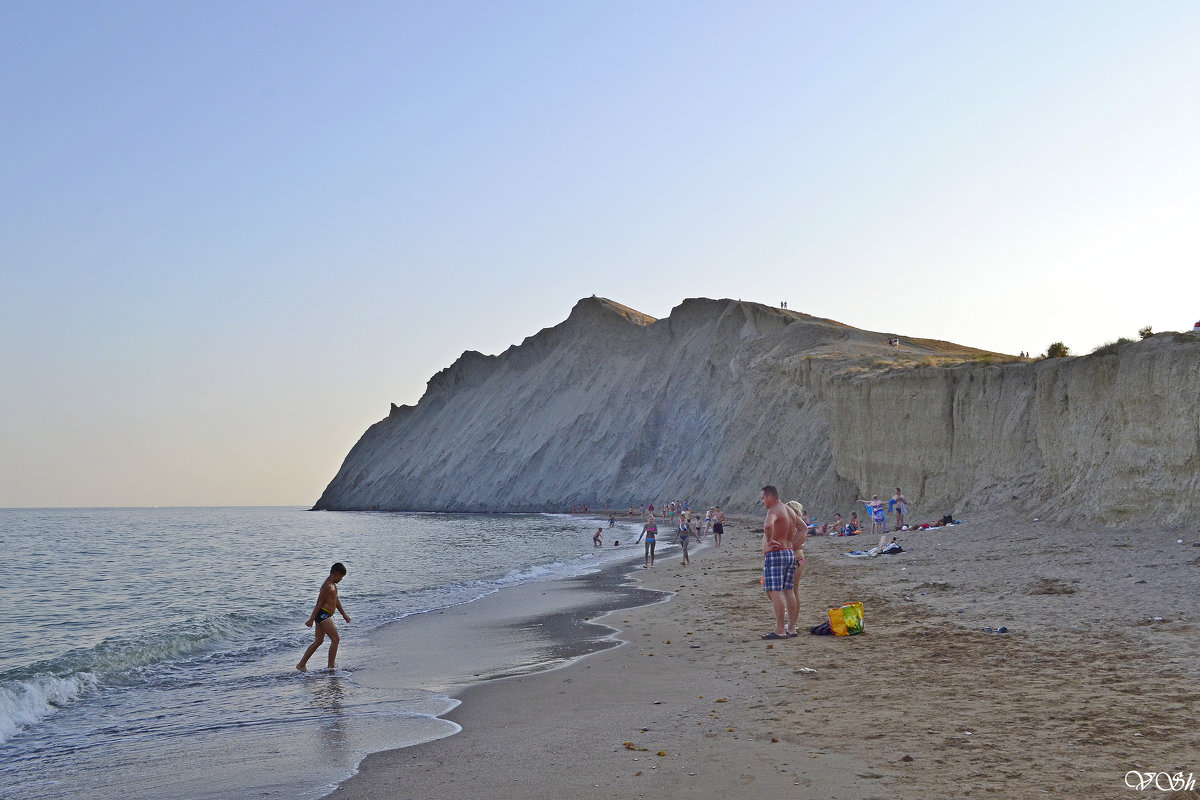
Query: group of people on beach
{"x": 785, "y": 530}
{"x": 687, "y": 529}
{"x": 897, "y": 505}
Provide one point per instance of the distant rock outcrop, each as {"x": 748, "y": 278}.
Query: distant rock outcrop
{"x": 612, "y": 408}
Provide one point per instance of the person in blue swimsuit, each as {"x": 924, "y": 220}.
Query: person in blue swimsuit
{"x": 650, "y": 531}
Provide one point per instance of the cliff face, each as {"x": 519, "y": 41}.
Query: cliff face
{"x": 612, "y": 408}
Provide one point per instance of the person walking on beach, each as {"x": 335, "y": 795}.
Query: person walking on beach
{"x": 900, "y": 506}
{"x": 650, "y": 531}
{"x": 719, "y": 525}
{"x": 685, "y": 535}
{"x": 322, "y": 617}
{"x": 779, "y": 563}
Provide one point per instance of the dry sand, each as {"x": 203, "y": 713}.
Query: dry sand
{"x": 1098, "y": 675}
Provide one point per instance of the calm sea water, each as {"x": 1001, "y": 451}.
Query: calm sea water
{"x": 148, "y": 653}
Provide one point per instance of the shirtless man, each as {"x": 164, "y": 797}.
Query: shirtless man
{"x": 322, "y": 616}
{"x": 719, "y": 525}
{"x": 779, "y": 563}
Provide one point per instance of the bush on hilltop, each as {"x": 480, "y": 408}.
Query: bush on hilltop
{"x": 1058, "y": 350}
{"x": 1111, "y": 348}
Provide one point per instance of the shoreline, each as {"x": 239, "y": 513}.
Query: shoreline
{"x": 1086, "y": 684}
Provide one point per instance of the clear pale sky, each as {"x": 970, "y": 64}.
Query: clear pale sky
{"x": 232, "y": 233}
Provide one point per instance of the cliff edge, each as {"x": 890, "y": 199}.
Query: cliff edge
{"x": 613, "y": 408}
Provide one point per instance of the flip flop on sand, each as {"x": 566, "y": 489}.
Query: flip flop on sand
{"x": 774, "y": 635}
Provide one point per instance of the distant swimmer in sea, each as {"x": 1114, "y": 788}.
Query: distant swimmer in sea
{"x": 596, "y": 540}
{"x": 650, "y": 531}
{"x": 322, "y": 617}
{"x": 612, "y": 521}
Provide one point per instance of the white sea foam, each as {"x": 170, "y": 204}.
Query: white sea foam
{"x": 160, "y": 634}
{"x": 26, "y": 703}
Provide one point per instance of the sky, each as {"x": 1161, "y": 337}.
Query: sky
{"x": 231, "y": 234}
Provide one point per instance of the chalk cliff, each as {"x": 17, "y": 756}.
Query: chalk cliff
{"x": 614, "y": 408}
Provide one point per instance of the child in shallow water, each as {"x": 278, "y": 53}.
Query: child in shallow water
{"x": 322, "y": 617}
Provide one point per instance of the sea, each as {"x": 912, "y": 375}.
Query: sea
{"x": 149, "y": 653}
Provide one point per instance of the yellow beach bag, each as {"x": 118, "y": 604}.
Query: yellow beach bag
{"x": 847, "y": 620}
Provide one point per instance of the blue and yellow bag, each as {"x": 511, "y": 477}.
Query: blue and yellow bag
{"x": 847, "y": 620}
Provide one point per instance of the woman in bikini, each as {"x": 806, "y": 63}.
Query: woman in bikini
{"x": 799, "y": 534}
{"x": 650, "y": 531}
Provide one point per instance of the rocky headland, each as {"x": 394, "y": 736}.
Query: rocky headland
{"x": 613, "y": 408}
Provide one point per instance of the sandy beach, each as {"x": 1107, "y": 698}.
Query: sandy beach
{"x": 1098, "y": 675}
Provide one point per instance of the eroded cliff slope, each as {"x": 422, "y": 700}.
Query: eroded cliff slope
{"x": 613, "y": 408}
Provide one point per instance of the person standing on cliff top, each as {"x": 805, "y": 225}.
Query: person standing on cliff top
{"x": 779, "y": 563}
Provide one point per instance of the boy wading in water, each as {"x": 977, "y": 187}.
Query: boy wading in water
{"x": 322, "y": 616}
